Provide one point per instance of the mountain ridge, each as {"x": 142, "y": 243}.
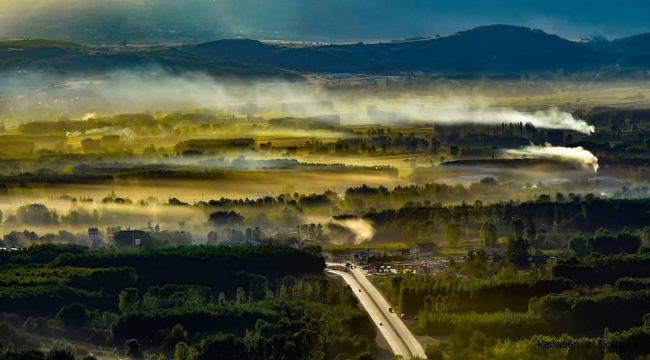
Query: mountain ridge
{"x": 492, "y": 50}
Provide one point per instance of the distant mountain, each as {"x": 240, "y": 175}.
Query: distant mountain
{"x": 495, "y": 49}
{"x": 64, "y": 57}
{"x": 182, "y": 21}
{"x": 635, "y": 44}
{"x": 630, "y": 53}
{"x": 488, "y": 50}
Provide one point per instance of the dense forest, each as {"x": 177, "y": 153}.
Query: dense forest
{"x": 599, "y": 298}
{"x": 139, "y": 302}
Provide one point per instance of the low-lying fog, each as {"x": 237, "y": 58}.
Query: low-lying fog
{"x": 49, "y": 97}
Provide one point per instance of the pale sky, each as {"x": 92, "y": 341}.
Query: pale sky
{"x": 333, "y": 19}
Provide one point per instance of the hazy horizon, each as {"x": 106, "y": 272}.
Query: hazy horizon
{"x": 113, "y": 21}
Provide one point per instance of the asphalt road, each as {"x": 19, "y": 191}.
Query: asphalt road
{"x": 411, "y": 342}
{"x": 397, "y": 335}
{"x": 377, "y": 315}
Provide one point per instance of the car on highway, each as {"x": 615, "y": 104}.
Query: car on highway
{"x": 381, "y": 324}
{"x": 359, "y": 290}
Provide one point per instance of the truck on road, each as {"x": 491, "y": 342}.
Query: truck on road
{"x": 390, "y": 310}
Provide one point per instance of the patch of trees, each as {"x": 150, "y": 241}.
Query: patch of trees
{"x": 46, "y": 300}
{"x": 471, "y": 344}
{"x": 604, "y": 243}
{"x": 11, "y": 354}
{"x": 309, "y": 123}
{"x": 581, "y": 215}
{"x": 203, "y": 265}
{"x": 202, "y": 299}
{"x": 597, "y": 269}
{"x": 632, "y": 284}
{"x": 112, "y": 280}
{"x": 590, "y": 312}
{"x": 171, "y": 238}
{"x": 505, "y": 324}
{"x": 214, "y": 145}
{"x": 305, "y": 318}
{"x": 139, "y": 123}
{"x": 570, "y": 312}
{"x": 225, "y": 218}
{"x": 40, "y": 254}
{"x": 413, "y": 293}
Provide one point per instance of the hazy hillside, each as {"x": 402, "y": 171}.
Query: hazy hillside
{"x": 489, "y": 49}
{"x": 65, "y": 57}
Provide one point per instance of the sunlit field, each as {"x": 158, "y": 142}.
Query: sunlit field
{"x": 255, "y": 142}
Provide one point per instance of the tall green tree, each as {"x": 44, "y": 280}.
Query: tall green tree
{"x": 184, "y": 352}
{"x": 133, "y": 350}
{"x": 240, "y": 297}
{"x": 129, "y": 300}
{"x": 517, "y": 227}
{"x": 489, "y": 235}
{"x": 518, "y": 249}
{"x": 73, "y": 316}
{"x": 453, "y": 234}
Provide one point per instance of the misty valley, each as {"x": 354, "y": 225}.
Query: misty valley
{"x": 242, "y": 200}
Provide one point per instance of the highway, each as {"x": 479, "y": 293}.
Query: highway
{"x": 398, "y": 336}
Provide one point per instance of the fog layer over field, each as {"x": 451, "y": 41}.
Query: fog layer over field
{"x": 38, "y": 97}
{"x": 187, "y": 218}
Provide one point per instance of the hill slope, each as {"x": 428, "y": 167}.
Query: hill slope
{"x": 64, "y": 57}
{"x": 495, "y": 49}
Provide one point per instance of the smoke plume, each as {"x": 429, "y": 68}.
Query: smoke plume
{"x": 361, "y": 230}
{"x": 576, "y": 154}
{"x": 461, "y": 112}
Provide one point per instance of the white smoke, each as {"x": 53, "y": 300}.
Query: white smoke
{"x": 88, "y": 116}
{"x": 458, "y": 112}
{"x": 123, "y": 132}
{"x": 575, "y": 154}
{"x": 362, "y": 230}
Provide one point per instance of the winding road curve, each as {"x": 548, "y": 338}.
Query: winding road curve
{"x": 398, "y": 336}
